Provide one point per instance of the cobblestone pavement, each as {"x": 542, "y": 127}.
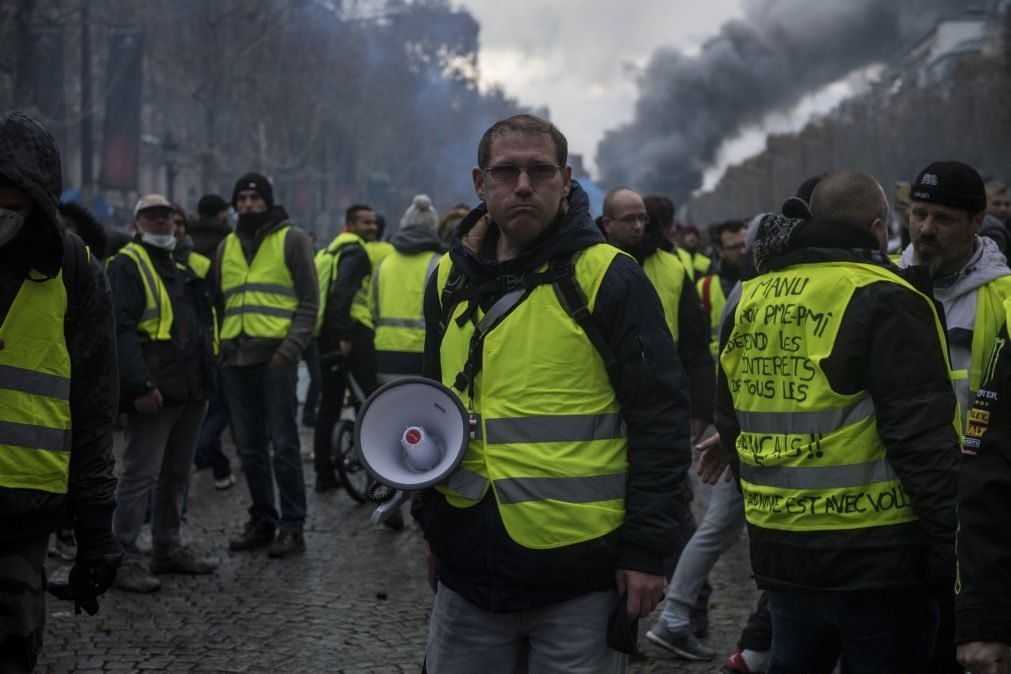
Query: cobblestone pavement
{"x": 357, "y": 601}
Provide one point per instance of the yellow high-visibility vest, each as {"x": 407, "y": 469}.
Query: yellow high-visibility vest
{"x": 551, "y": 445}
{"x": 713, "y": 300}
{"x": 811, "y": 458}
{"x": 668, "y": 275}
{"x": 397, "y": 298}
{"x": 156, "y": 320}
{"x": 200, "y": 264}
{"x": 35, "y": 421}
{"x": 260, "y": 298}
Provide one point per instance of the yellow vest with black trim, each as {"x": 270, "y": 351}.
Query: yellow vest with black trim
{"x": 686, "y": 261}
{"x": 156, "y": 320}
{"x": 260, "y": 298}
{"x": 397, "y": 300}
{"x": 989, "y": 319}
{"x": 551, "y": 443}
{"x": 668, "y": 275}
{"x": 200, "y": 264}
{"x": 811, "y": 458}
{"x": 327, "y": 261}
{"x": 35, "y": 421}
{"x": 713, "y": 300}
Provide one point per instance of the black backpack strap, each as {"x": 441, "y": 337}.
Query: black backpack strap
{"x": 573, "y": 300}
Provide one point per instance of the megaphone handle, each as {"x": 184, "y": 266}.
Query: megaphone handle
{"x": 393, "y": 505}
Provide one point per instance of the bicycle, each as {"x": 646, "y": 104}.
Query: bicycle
{"x": 349, "y": 469}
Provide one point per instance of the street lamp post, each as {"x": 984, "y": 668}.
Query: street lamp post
{"x": 169, "y": 149}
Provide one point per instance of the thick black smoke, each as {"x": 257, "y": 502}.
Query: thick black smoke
{"x": 766, "y": 62}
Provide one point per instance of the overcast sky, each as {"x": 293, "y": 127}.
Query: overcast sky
{"x": 579, "y": 57}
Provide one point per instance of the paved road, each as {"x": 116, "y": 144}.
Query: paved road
{"x": 356, "y": 602}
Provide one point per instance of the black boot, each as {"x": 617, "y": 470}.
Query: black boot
{"x": 288, "y": 543}
{"x": 256, "y": 534}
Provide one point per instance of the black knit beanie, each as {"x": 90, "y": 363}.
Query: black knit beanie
{"x": 257, "y": 182}
{"x": 952, "y": 184}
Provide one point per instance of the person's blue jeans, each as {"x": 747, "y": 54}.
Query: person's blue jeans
{"x": 867, "y": 631}
{"x": 209, "y": 452}
{"x": 262, "y": 407}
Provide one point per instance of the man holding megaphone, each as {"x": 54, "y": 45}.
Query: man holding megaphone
{"x": 554, "y": 528}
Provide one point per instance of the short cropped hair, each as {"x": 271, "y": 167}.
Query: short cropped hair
{"x": 352, "y": 212}
{"x": 527, "y": 125}
{"x": 728, "y": 227}
{"x": 608, "y": 206}
{"x": 849, "y": 197}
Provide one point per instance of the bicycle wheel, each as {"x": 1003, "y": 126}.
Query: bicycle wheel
{"x": 349, "y": 469}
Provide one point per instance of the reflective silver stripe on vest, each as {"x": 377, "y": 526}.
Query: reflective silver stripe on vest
{"x": 401, "y": 323}
{"x": 153, "y": 312}
{"x": 34, "y": 437}
{"x": 568, "y": 489}
{"x": 34, "y": 383}
{"x": 805, "y": 423}
{"x": 272, "y": 288}
{"x": 555, "y": 428}
{"x": 819, "y": 477}
{"x": 466, "y": 483}
{"x": 256, "y": 309}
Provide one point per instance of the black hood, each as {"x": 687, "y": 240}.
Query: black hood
{"x": 30, "y": 162}
{"x": 417, "y": 239}
{"x": 783, "y": 241}
{"x": 572, "y": 231}
{"x": 207, "y": 233}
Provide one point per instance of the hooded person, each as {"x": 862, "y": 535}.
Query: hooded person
{"x": 577, "y": 342}
{"x": 398, "y": 288}
{"x": 970, "y": 275}
{"x": 58, "y": 394}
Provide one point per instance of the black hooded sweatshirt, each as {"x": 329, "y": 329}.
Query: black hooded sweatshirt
{"x": 476, "y": 557}
{"x": 30, "y": 161}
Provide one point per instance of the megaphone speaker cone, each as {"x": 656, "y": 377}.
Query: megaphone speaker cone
{"x": 412, "y": 433}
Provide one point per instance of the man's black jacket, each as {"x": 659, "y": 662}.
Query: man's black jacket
{"x": 983, "y": 601}
{"x": 476, "y": 557}
{"x": 353, "y": 268}
{"x": 179, "y": 368}
{"x": 888, "y": 345}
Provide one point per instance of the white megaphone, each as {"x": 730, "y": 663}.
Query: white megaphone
{"x": 411, "y": 433}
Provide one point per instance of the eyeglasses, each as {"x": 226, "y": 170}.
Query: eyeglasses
{"x": 507, "y": 175}
{"x": 633, "y": 218}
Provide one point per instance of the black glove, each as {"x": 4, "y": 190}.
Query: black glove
{"x": 98, "y": 558}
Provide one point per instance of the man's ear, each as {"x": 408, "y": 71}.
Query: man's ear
{"x": 478, "y": 175}
{"x": 566, "y": 181}
{"x": 977, "y": 220}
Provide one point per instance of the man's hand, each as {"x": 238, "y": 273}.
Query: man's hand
{"x": 150, "y": 402}
{"x": 981, "y": 657}
{"x": 714, "y": 460}
{"x": 279, "y": 362}
{"x": 644, "y": 591}
{"x": 346, "y": 347}
{"x": 698, "y": 427}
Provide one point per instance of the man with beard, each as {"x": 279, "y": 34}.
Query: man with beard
{"x": 714, "y": 288}
{"x": 569, "y": 496}
{"x": 268, "y": 299}
{"x": 971, "y": 280}
{"x": 970, "y": 276}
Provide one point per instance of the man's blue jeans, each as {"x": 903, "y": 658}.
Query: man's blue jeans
{"x": 869, "y": 631}
{"x": 261, "y": 404}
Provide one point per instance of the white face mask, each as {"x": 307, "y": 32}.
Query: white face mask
{"x": 11, "y": 223}
{"x": 165, "y": 241}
